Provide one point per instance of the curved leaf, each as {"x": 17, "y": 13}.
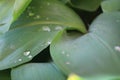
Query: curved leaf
{"x": 19, "y": 7}
{"x": 5, "y": 75}
{"x": 50, "y": 12}
{"x": 88, "y": 5}
{"x": 94, "y": 54}
{"x": 34, "y": 31}
{"x": 20, "y": 45}
{"x": 110, "y": 5}
{"x": 37, "y": 71}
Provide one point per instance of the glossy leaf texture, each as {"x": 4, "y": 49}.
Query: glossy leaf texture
{"x": 93, "y": 54}
{"x": 51, "y": 12}
{"x": 110, "y": 5}
{"x": 5, "y": 75}
{"x": 20, "y": 45}
{"x": 10, "y": 10}
{"x": 87, "y": 5}
{"x": 34, "y": 31}
{"x": 37, "y": 71}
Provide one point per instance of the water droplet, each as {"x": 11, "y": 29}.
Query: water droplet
{"x": 26, "y": 53}
{"x": 117, "y": 48}
{"x": 58, "y": 28}
{"x": 37, "y": 17}
{"x": 67, "y": 62}
{"x": 30, "y": 56}
{"x": 46, "y": 28}
{"x": 48, "y": 4}
{"x": 47, "y": 18}
{"x": 67, "y": 55}
{"x": 63, "y": 52}
{"x": 31, "y": 14}
{"x": 19, "y": 59}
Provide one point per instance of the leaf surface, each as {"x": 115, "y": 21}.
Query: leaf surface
{"x": 93, "y": 54}
{"x": 37, "y": 71}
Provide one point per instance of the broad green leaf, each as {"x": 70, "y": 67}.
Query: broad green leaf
{"x": 93, "y": 54}
{"x": 37, "y": 71}
{"x": 110, "y": 5}
{"x": 10, "y": 10}
{"x": 88, "y": 5}
{"x": 5, "y": 75}
{"x": 50, "y": 12}
{"x": 34, "y": 31}
{"x": 20, "y": 45}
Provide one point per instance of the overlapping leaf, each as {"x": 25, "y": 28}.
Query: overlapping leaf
{"x": 10, "y": 10}
{"x": 94, "y": 54}
{"x": 88, "y": 5}
{"x": 35, "y": 30}
{"x": 37, "y": 71}
{"x": 110, "y": 5}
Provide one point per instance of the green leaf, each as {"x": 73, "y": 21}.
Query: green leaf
{"x": 35, "y": 30}
{"x": 20, "y": 45}
{"x": 10, "y": 10}
{"x": 19, "y": 7}
{"x": 93, "y": 54}
{"x": 6, "y": 12}
{"x": 50, "y": 12}
{"x": 5, "y": 75}
{"x": 37, "y": 71}
{"x": 88, "y": 5}
{"x": 110, "y": 5}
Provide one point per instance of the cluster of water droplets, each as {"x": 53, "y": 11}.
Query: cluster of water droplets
{"x": 67, "y": 55}
{"x": 117, "y": 48}
{"x": 27, "y": 54}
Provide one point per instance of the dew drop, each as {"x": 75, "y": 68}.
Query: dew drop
{"x": 19, "y": 59}
{"x": 47, "y": 18}
{"x": 117, "y": 48}
{"x": 48, "y": 4}
{"x": 46, "y": 28}
{"x": 67, "y": 62}
{"x": 31, "y": 14}
{"x": 67, "y": 55}
{"x": 49, "y": 42}
{"x": 58, "y": 28}
{"x": 63, "y": 52}
{"x": 30, "y": 56}
{"x": 26, "y": 53}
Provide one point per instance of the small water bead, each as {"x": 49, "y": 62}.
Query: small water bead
{"x": 48, "y": 4}
{"x": 26, "y": 53}
{"x": 19, "y": 59}
{"x": 63, "y": 52}
{"x": 47, "y": 18}
{"x": 30, "y": 56}
{"x": 67, "y": 55}
{"x": 67, "y": 62}
{"x": 46, "y": 28}
{"x": 31, "y": 14}
{"x": 58, "y": 28}
{"x": 117, "y": 48}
